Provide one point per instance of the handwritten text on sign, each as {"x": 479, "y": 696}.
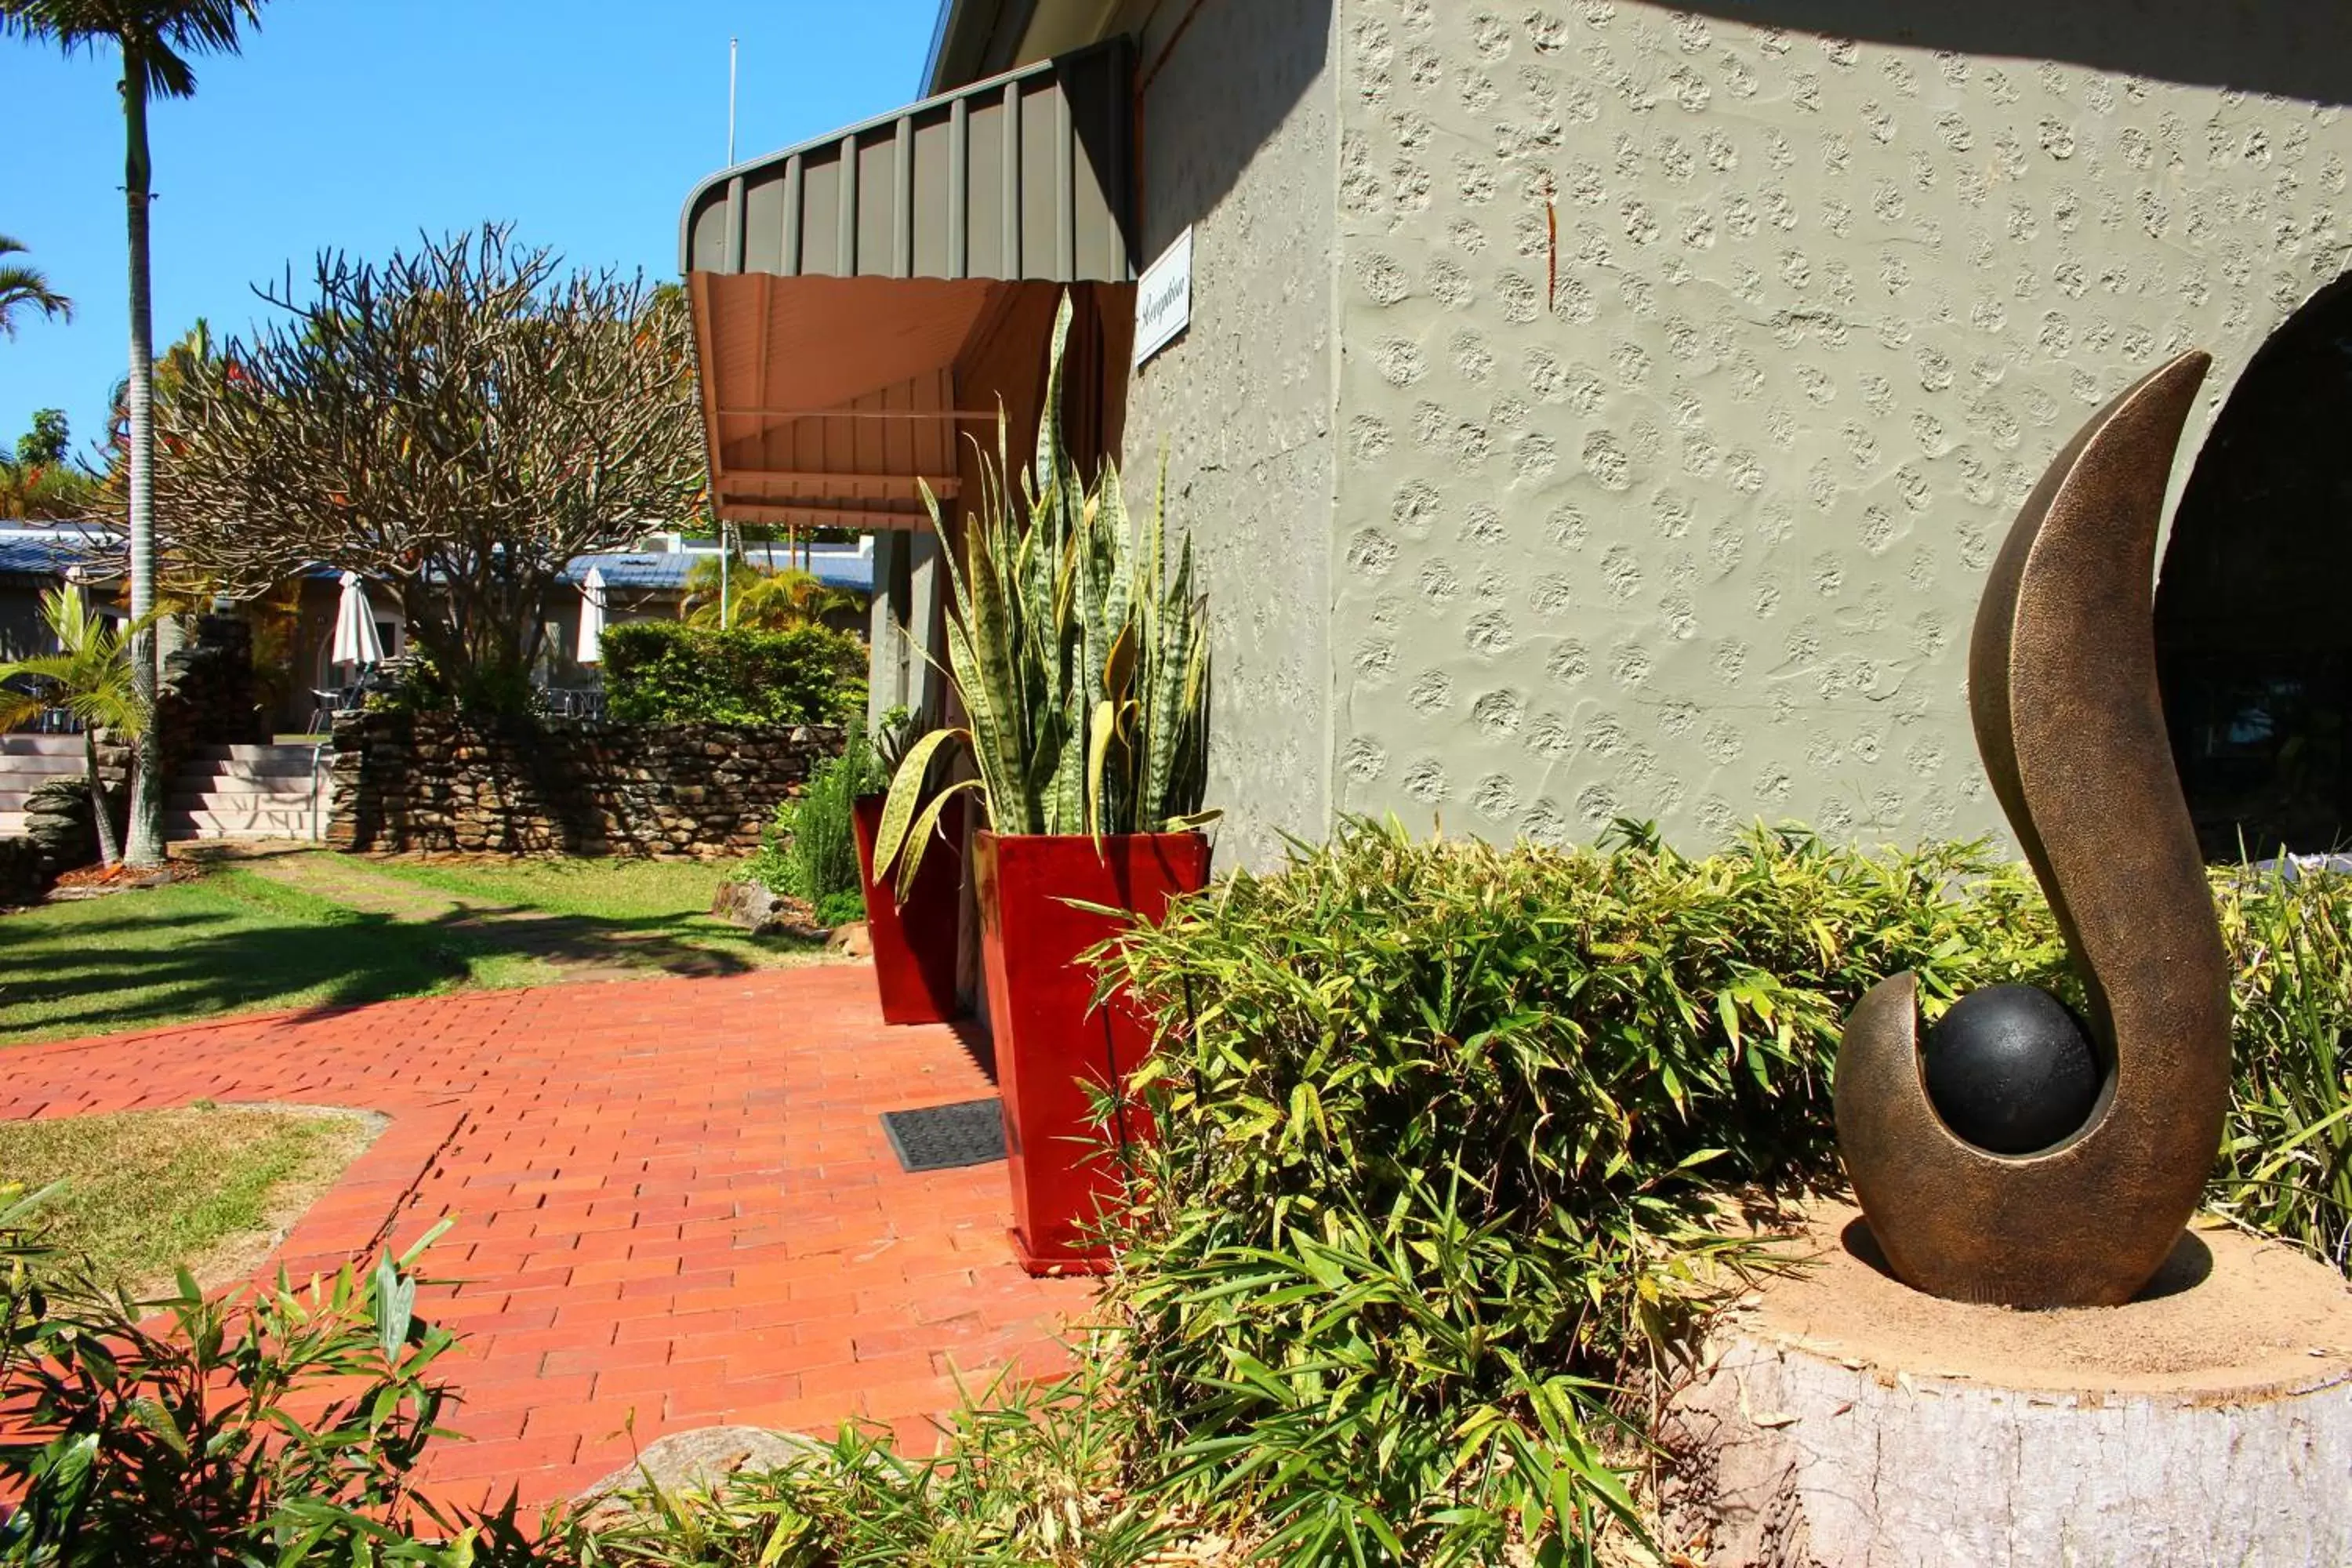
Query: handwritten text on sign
{"x": 1163, "y": 300}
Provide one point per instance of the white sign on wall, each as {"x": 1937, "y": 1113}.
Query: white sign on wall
{"x": 1163, "y": 298}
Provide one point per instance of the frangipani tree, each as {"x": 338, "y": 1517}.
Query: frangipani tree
{"x": 458, "y": 424}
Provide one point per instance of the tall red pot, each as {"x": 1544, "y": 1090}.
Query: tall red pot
{"x": 914, "y": 942}
{"x": 1052, "y": 1042}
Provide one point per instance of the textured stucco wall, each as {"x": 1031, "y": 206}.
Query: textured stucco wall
{"x": 1239, "y": 140}
{"x": 1697, "y": 534}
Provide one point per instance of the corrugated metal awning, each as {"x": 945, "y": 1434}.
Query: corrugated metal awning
{"x": 835, "y": 284}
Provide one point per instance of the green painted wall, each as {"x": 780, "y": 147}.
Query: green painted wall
{"x": 1696, "y": 533}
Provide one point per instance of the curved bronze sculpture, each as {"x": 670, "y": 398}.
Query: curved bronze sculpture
{"x": 2063, "y": 689}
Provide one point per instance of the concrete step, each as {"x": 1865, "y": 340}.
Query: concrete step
{"x": 192, "y": 781}
{"x": 233, "y": 801}
{"x": 40, "y": 745}
{"x": 273, "y": 754}
{"x": 11, "y": 797}
{"x": 47, "y": 764}
{"x": 269, "y": 823}
{"x": 299, "y": 766}
{"x": 12, "y": 824}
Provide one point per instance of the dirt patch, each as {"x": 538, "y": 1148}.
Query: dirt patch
{"x": 2226, "y": 1314}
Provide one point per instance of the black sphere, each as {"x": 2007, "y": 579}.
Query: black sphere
{"x": 2010, "y": 1071}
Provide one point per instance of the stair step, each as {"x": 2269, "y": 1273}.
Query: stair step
{"x": 40, "y": 745}
{"x": 193, "y": 782}
{"x": 12, "y": 824}
{"x": 255, "y": 753}
{"x": 233, "y": 801}
{"x": 44, "y": 762}
{"x": 208, "y": 823}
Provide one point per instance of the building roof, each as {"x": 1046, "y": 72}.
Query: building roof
{"x": 45, "y": 551}
{"x": 837, "y": 285}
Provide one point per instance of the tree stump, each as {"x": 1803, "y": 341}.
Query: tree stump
{"x": 1840, "y": 1419}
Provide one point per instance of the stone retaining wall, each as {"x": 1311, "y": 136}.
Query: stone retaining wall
{"x": 431, "y": 782}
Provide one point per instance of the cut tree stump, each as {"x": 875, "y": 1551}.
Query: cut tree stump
{"x": 1842, "y": 1420}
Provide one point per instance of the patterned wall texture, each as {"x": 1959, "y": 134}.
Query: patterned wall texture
{"x": 1239, "y": 129}
{"x": 1691, "y": 369}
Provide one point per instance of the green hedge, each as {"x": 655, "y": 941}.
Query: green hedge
{"x": 1447, "y": 1135}
{"x": 664, "y": 672}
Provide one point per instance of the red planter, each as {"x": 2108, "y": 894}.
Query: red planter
{"x": 1052, "y": 1042}
{"x": 914, "y": 942}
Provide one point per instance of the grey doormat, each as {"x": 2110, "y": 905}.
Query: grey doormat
{"x": 944, "y": 1137}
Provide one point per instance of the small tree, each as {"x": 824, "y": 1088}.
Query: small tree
{"x": 778, "y": 601}
{"x": 457, "y": 425}
{"x": 89, "y": 676}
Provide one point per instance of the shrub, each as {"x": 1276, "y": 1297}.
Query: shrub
{"x": 809, "y": 850}
{"x": 136, "y": 1438}
{"x": 1443, "y": 1132}
{"x": 2286, "y": 1163}
{"x": 1446, "y": 1133}
{"x": 661, "y": 672}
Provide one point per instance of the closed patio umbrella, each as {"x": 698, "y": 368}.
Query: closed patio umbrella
{"x": 592, "y": 617}
{"x": 355, "y": 639}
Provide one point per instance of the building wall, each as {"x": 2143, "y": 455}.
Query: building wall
{"x": 1239, "y": 140}
{"x": 1695, "y": 532}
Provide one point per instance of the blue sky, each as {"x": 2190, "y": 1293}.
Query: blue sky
{"x": 353, "y": 124}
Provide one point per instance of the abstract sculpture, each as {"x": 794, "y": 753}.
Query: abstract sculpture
{"x": 2063, "y": 690}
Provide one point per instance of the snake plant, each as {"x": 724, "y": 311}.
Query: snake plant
{"x": 1081, "y": 662}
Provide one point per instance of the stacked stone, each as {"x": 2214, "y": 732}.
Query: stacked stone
{"x": 433, "y": 782}
{"x": 206, "y": 697}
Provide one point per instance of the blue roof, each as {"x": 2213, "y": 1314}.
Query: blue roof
{"x": 44, "y": 557}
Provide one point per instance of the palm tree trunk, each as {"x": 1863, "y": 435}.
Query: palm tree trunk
{"x": 109, "y": 850}
{"x": 146, "y": 847}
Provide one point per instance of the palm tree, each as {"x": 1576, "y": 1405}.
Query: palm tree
{"x": 771, "y": 601}
{"x": 156, "y": 38}
{"x": 92, "y": 677}
{"x": 23, "y": 287}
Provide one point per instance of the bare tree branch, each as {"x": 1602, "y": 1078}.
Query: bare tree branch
{"x": 457, "y": 425}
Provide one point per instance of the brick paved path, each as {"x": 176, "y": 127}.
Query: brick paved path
{"x": 674, "y": 1204}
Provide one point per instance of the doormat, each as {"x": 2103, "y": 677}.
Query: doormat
{"x": 945, "y": 1137}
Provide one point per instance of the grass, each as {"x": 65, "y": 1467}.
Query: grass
{"x": 316, "y": 930}
{"x": 147, "y": 1192}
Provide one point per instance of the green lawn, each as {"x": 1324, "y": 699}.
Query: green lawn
{"x": 148, "y": 1192}
{"x": 313, "y": 928}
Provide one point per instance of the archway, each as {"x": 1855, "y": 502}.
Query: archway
{"x": 2253, "y": 610}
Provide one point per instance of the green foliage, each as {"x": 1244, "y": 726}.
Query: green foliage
{"x": 174, "y": 1438}
{"x": 2287, "y": 1161}
{"x": 1443, "y": 1129}
{"x": 774, "y": 601}
{"x": 1083, "y": 665}
{"x": 1026, "y": 1476}
{"x": 23, "y": 287}
{"x": 660, "y": 672}
{"x": 809, "y": 851}
{"x": 89, "y": 676}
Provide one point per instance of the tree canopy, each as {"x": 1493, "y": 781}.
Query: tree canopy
{"x": 458, "y": 424}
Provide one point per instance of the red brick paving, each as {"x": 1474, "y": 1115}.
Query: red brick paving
{"x": 675, "y": 1206}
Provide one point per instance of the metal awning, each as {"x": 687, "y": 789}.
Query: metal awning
{"x": 836, "y": 286}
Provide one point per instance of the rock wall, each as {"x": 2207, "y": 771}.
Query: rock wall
{"x": 431, "y": 782}
{"x": 206, "y": 697}
{"x": 1695, "y": 361}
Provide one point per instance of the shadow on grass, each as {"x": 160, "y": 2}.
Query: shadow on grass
{"x": 131, "y": 970}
